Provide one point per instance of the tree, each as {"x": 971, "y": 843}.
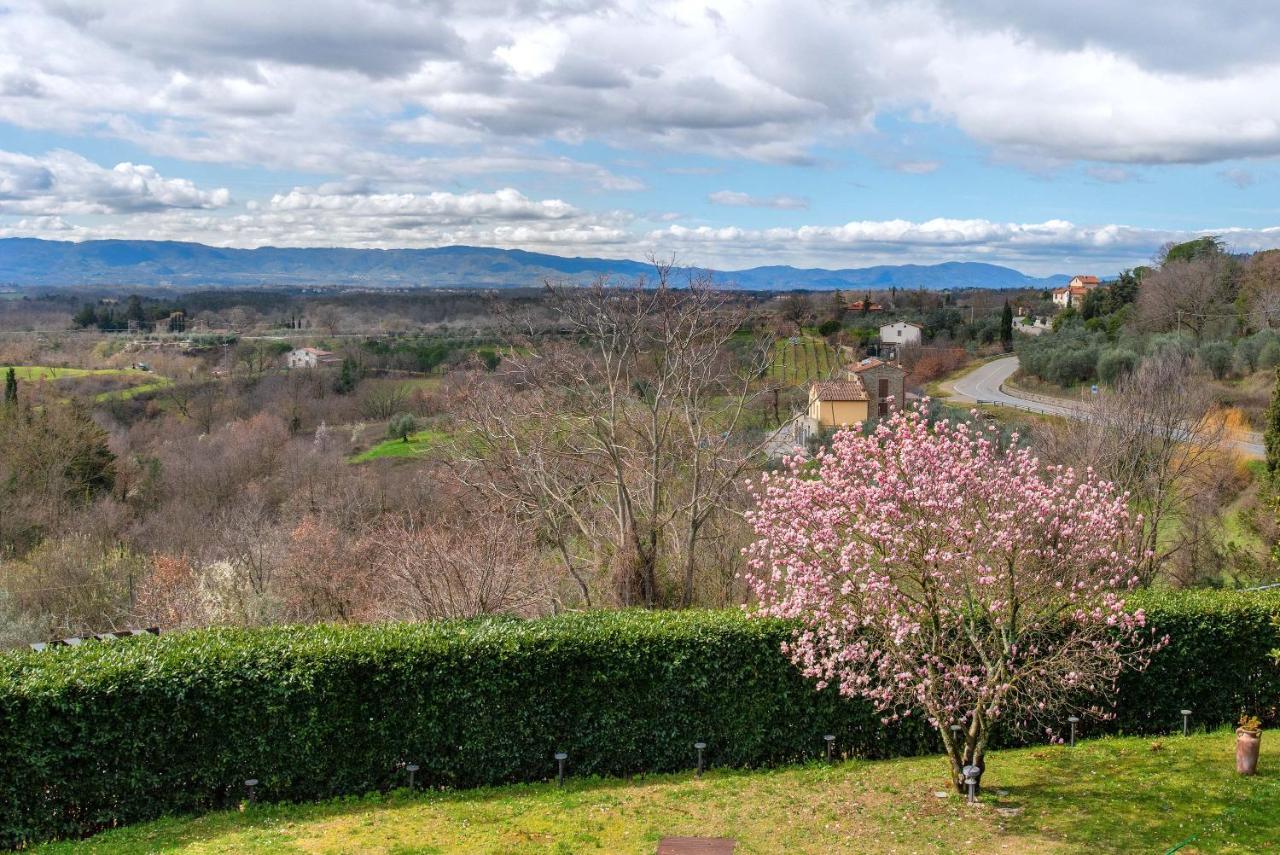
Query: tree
{"x": 624, "y": 441}
{"x": 1260, "y": 289}
{"x": 1216, "y": 356}
{"x": 1202, "y": 247}
{"x": 796, "y": 308}
{"x": 1271, "y": 437}
{"x": 10, "y": 387}
{"x": 1116, "y": 363}
{"x": 836, "y": 307}
{"x": 86, "y": 316}
{"x": 346, "y": 379}
{"x": 1006, "y": 327}
{"x": 133, "y": 310}
{"x": 932, "y": 572}
{"x": 1158, "y": 437}
{"x": 402, "y": 426}
{"x": 1194, "y": 295}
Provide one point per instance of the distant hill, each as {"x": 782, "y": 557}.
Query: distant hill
{"x": 30, "y": 261}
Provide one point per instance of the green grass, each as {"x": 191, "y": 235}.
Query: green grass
{"x": 417, "y": 444}
{"x": 133, "y": 391}
{"x": 810, "y": 358}
{"x": 49, "y": 372}
{"x": 31, "y": 373}
{"x": 1105, "y": 795}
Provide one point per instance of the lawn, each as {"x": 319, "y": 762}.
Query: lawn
{"x": 417, "y": 444}
{"x": 1105, "y": 795}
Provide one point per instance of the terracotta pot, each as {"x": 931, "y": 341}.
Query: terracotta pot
{"x": 1247, "y": 744}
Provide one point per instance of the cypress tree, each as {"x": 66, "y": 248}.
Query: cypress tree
{"x": 11, "y": 387}
{"x": 1271, "y": 437}
{"x": 1006, "y": 327}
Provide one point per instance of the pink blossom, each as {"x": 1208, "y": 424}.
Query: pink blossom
{"x": 932, "y": 571}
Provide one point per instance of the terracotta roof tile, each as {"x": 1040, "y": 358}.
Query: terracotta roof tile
{"x": 840, "y": 390}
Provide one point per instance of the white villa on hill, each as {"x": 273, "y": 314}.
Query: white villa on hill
{"x": 1073, "y": 293}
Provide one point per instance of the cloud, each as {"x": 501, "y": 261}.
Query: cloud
{"x": 745, "y": 200}
{"x": 508, "y": 218}
{"x": 1237, "y": 177}
{"x": 440, "y": 208}
{"x": 777, "y": 81}
{"x": 62, "y": 182}
{"x": 917, "y": 167}
{"x": 373, "y": 38}
{"x": 347, "y": 215}
{"x": 1044, "y": 247}
{"x": 1110, "y": 174}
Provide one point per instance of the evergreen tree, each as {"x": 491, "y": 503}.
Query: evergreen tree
{"x": 346, "y": 378}
{"x": 11, "y": 387}
{"x": 836, "y": 307}
{"x": 1006, "y": 327}
{"x": 87, "y": 316}
{"x": 1271, "y": 437}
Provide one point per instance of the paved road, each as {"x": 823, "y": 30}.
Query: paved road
{"x": 984, "y": 384}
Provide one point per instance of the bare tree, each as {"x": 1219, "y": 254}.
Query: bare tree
{"x": 482, "y": 564}
{"x": 626, "y": 439}
{"x": 1193, "y": 295}
{"x": 797, "y": 308}
{"x": 1260, "y": 288}
{"x": 1157, "y": 436}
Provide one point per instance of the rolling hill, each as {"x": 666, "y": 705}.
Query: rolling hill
{"x": 35, "y": 262}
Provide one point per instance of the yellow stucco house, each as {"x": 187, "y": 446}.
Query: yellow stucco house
{"x": 834, "y": 403}
{"x": 871, "y": 388}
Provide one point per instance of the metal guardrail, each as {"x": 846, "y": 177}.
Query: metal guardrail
{"x": 983, "y": 401}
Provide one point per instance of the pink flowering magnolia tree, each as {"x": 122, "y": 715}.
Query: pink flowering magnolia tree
{"x": 934, "y": 573}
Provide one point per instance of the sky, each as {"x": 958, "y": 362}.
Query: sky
{"x": 1048, "y": 136}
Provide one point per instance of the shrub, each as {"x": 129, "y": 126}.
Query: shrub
{"x": 1070, "y": 366}
{"x": 111, "y": 733}
{"x": 1180, "y": 344}
{"x": 1216, "y": 357}
{"x": 1114, "y": 364}
{"x": 1269, "y": 355}
{"x": 830, "y": 328}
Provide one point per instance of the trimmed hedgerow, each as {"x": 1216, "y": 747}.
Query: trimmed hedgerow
{"x": 1215, "y": 664}
{"x": 108, "y": 734}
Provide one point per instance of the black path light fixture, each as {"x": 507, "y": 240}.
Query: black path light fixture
{"x": 1186, "y": 722}
{"x": 560, "y": 758}
{"x": 1073, "y": 721}
{"x": 700, "y": 746}
{"x": 251, "y": 790}
{"x": 831, "y": 741}
{"x": 411, "y": 768}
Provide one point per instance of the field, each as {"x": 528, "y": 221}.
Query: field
{"x": 417, "y": 444}
{"x": 801, "y": 359}
{"x": 1105, "y": 795}
{"x": 49, "y": 372}
{"x": 130, "y": 382}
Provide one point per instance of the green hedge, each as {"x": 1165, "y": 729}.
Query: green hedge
{"x": 108, "y": 734}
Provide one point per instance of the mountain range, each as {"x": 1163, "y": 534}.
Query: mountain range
{"x": 35, "y": 262}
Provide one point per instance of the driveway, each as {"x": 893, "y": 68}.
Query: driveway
{"x": 985, "y": 384}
